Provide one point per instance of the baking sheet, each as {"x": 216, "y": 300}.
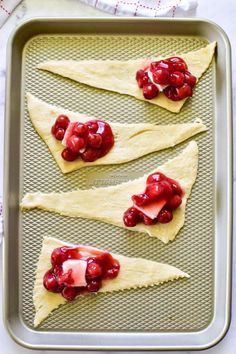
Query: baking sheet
{"x": 181, "y": 306}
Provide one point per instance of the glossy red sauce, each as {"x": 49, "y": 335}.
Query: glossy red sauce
{"x": 99, "y": 265}
{"x": 88, "y": 141}
{"x": 172, "y": 74}
{"x": 161, "y": 197}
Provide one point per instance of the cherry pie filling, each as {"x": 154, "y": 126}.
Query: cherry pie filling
{"x": 170, "y": 76}
{"x": 89, "y": 141}
{"x": 79, "y": 270}
{"x": 161, "y": 197}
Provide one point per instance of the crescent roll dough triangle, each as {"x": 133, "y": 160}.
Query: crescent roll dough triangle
{"x": 108, "y": 204}
{"x": 131, "y": 140}
{"x": 134, "y": 273}
{"x": 119, "y": 76}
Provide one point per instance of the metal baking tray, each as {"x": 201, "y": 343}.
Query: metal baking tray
{"x": 194, "y": 314}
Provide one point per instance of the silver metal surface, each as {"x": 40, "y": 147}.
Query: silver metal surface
{"x": 191, "y": 314}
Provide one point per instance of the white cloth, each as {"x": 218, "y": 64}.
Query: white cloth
{"x": 147, "y": 8}
{"x": 6, "y": 8}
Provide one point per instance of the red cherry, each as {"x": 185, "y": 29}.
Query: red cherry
{"x": 171, "y": 93}
{"x": 53, "y": 129}
{"x": 68, "y": 155}
{"x": 164, "y": 216}
{"x": 155, "y": 177}
{"x": 111, "y": 273}
{"x": 184, "y": 91}
{"x": 155, "y": 190}
{"x": 69, "y": 293}
{"x": 174, "y": 202}
{"x": 57, "y": 270}
{"x": 72, "y": 252}
{"x": 80, "y": 129}
{"x": 131, "y": 217}
{"x": 149, "y": 221}
{"x": 62, "y": 121}
{"x": 150, "y": 91}
{"x": 178, "y": 64}
{"x": 107, "y": 144}
{"x": 176, "y": 78}
{"x": 59, "y": 133}
{"x": 161, "y": 76}
{"x": 90, "y": 155}
{"x": 93, "y": 270}
{"x": 75, "y": 143}
{"x": 140, "y": 199}
{"x": 178, "y": 93}
{"x": 115, "y": 264}
{"x": 59, "y": 255}
{"x": 95, "y": 140}
{"x": 174, "y": 60}
{"x": 161, "y": 64}
{"x": 176, "y": 188}
{"x": 167, "y": 188}
{"x": 94, "y": 286}
{"x": 142, "y": 78}
{"x": 105, "y": 260}
{"x": 91, "y": 259}
{"x": 50, "y": 282}
{"x": 92, "y": 126}
{"x": 190, "y": 79}
{"x": 107, "y": 138}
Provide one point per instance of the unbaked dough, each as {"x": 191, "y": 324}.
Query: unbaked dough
{"x": 119, "y": 76}
{"x": 108, "y": 204}
{"x": 131, "y": 140}
{"x": 134, "y": 273}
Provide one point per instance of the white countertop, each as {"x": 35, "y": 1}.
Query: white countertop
{"x": 221, "y": 12}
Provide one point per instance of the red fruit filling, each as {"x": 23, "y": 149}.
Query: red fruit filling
{"x": 150, "y": 91}
{"x": 79, "y": 270}
{"x": 170, "y": 75}
{"x": 161, "y": 76}
{"x": 156, "y": 204}
{"x": 89, "y": 141}
{"x": 142, "y": 78}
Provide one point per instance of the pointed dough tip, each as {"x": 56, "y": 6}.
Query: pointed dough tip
{"x": 31, "y": 100}
{"x": 41, "y": 65}
{"x": 191, "y": 146}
